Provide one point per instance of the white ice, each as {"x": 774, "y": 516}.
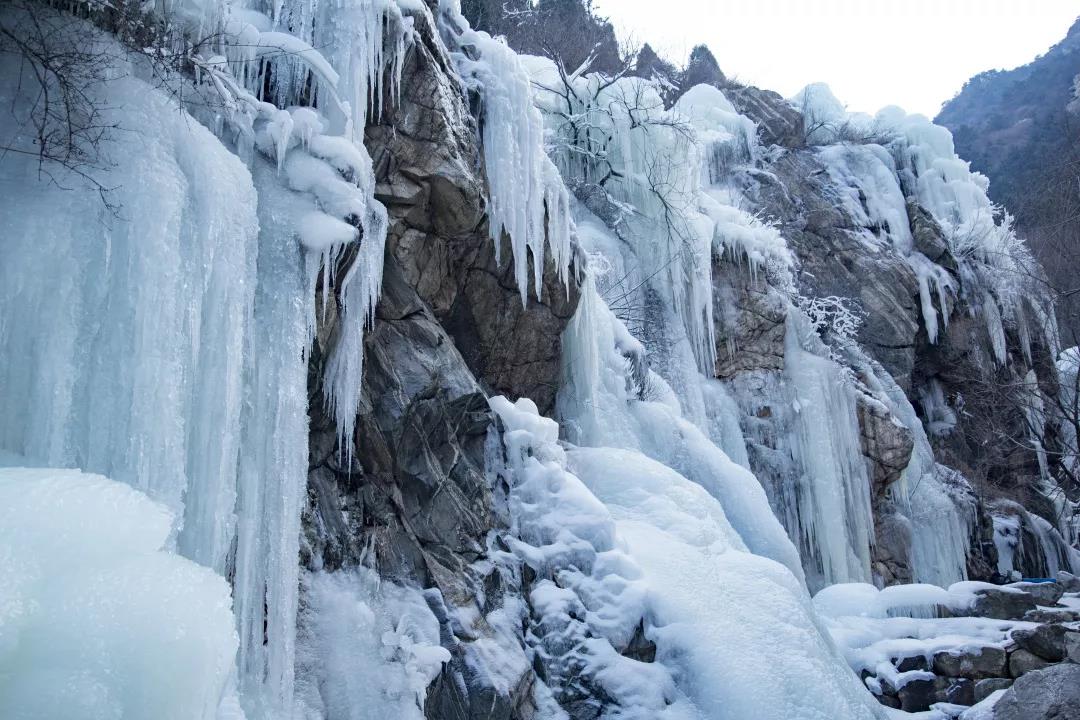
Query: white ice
{"x": 97, "y": 619}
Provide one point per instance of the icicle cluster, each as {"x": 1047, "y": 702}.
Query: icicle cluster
{"x": 527, "y": 199}
{"x": 203, "y": 403}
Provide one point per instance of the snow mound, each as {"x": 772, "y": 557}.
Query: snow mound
{"x": 713, "y": 606}
{"x": 97, "y": 621}
{"x": 367, "y": 647}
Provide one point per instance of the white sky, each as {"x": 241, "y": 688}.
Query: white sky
{"x": 912, "y": 53}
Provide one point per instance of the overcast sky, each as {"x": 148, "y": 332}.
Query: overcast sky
{"x": 912, "y": 53}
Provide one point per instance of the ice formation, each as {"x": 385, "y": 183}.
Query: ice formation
{"x": 176, "y": 362}
{"x": 651, "y": 162}
{"x": 671, "y": 540}
{"x": 1028, "y": 542}
{"x": 527, "y": 199}
{"x": 894, "y": 156}
{"x": 176, "y": 358}
{"x": 91, "y": 601}
{"x": 368, "y": 648}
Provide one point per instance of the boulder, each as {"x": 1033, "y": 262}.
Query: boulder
{"x": 1052, "y": 615}
{"x": 960, "y": 691}
{"x": 983, "y": 663}
{"x": 1072, "y": 646}
{"x": 1021, "y": 662}
{"x": 1002, "y": 604}
{"x": 1050, "y": 694}
{"x": 907, "y": 664}
{"x": 1068, "y": 582}
{"x": 1045, "y": 641}
{"x": 919, "y": 695}
{"x": 1045, "y": 593}
{"x": 986, "y": 687}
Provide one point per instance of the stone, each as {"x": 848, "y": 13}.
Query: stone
{"x": 928, "y": 236}
{"x": 1045, "y": 593}
{"x": 960, "y": 691}
{"x": 907, "y": 664}
{"x": 919, "y": 695}
{"x": 1068, "y": 581}
{"x": 1072, "y": 646}
{"x": 983, "y": 663}
{"x": 889, "y": 701}
{"x": 1045, "y": 641}
{"x": 1052, "y": 615}
{"x": 886, "y": 442}
{"x": 1002, "y": 604}
{"x": 1021, "y": 662}
{"x": 984, "y": 688}
{"x": 1050, "y": 694}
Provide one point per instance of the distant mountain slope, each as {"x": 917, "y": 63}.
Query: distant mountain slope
{"x": 1013, "y": 124}
{"x": 1021, "y": 128}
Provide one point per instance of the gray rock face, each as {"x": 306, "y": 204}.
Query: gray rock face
{"x": 778, "y": 123}
{"x": 835, "y": 260}
{"x": 892, "y": 548}
{"x": 928, "y": 237}
{"x": 1045, "y": 641}
{"x": 1072, "y": 646}
{"x": 750, "y": 320}
{"x": 985, "y": 663}
{"x": 1050, "y": 694}
{"x": 1021, "y": 662}
{"x": 430, "y": 176}
{"x": 960, "y": 691}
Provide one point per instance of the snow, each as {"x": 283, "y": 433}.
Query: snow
{"x": 368, "y": 647}
{"x": 685, "y": 574}
{"x": 587, "y": 598}
{"x": 319, "y": 231}
{"x": 875, "y": 632}
{"x": 706, "y": 593}
{"x": 97, "y": 619}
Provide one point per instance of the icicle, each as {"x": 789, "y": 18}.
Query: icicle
{"x": 527, "y": 198}
{"x": 994, "y": 327}
{"x": 833, "y": 480}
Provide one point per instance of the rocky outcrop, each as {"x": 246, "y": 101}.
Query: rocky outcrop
{"x": 409, "y": 493}
{"x": 431, "y": 178}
